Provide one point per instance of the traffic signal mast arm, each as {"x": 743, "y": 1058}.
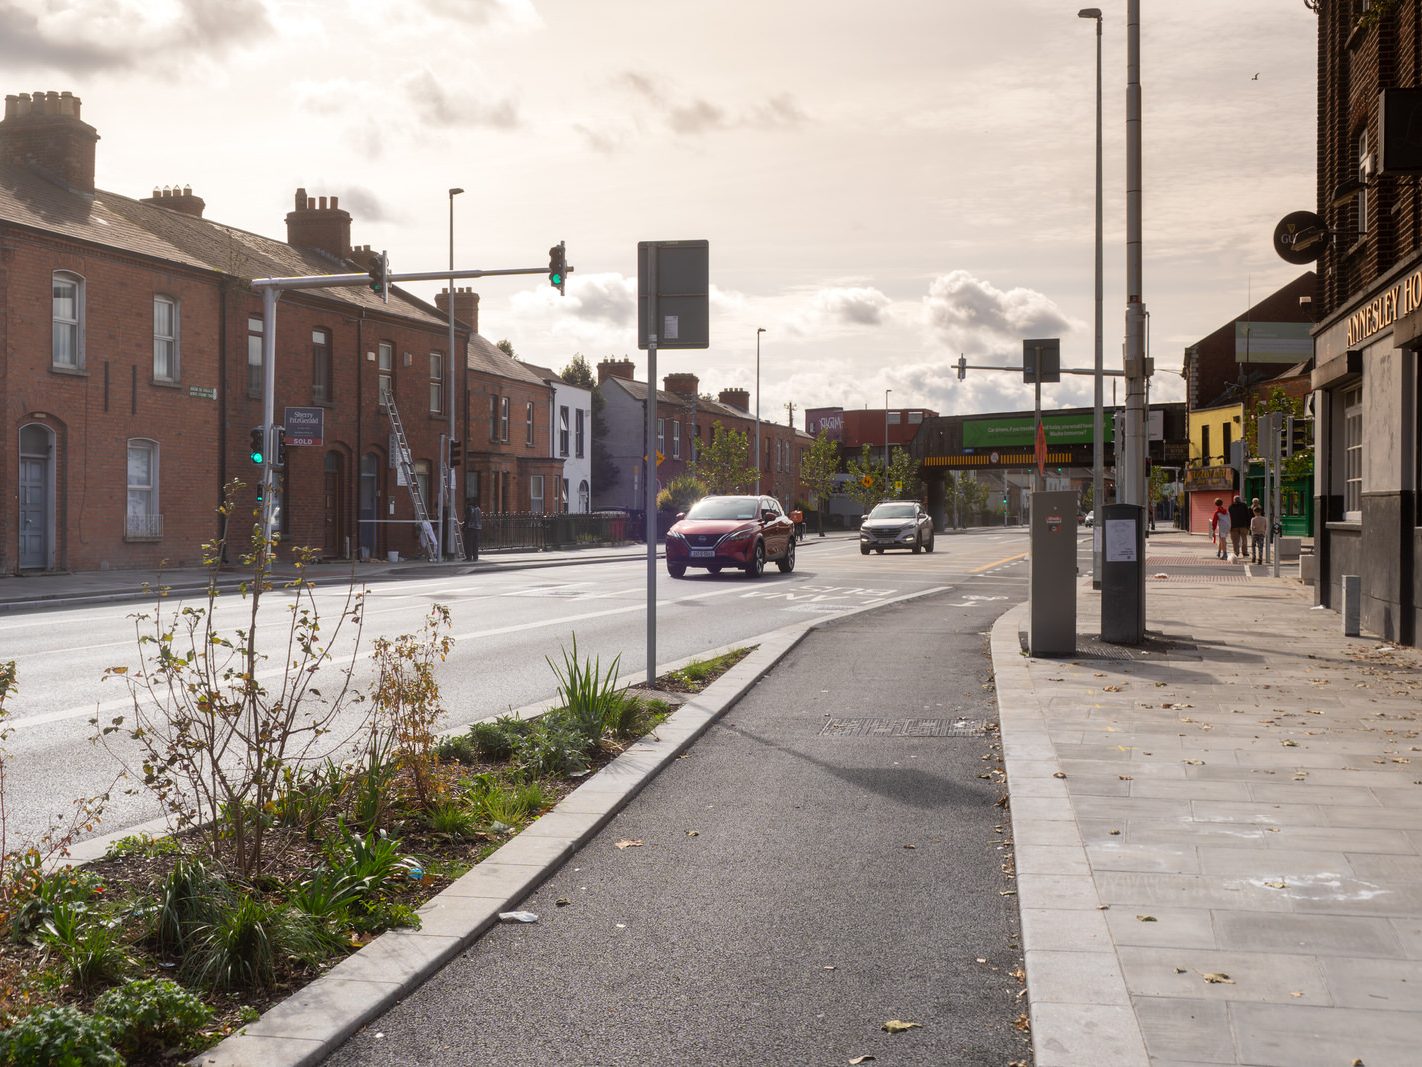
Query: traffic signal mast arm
{"x": 337, "y": 281}
{"x": 1019, "y": 369}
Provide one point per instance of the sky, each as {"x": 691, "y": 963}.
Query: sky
{"x": 884, "y": 186}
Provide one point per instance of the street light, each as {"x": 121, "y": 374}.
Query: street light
{"x": 759, "y": 330}
{"x": 886, "y": 437}
{"x": 447, "y": 490}
{"x": 1098, "y": 448}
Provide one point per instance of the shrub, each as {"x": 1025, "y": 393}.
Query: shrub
{"x": 90, "y": 945}
{"x": 62, "y": 1036}
{"x": 241, "y": 947}
{"x": 406, "y": 697}
{"x": 554, "y": 748}
{"x": 459, "y": 748}
{"x": 497, "y": 803}
{"x": 152, "y": 1014}
{"x": 37, "y": 894}
{"x": 451, "y": 817}
{"x": 589, "y": 695}
{"x": 190, "y": 900}
{"x": 143, "y": 845}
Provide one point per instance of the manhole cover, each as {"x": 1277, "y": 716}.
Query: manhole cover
{"x": 904, "y": 728}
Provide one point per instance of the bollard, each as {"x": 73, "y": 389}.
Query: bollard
{"x": 1352, "y": 604}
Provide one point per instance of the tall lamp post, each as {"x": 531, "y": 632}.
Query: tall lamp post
{"x": 447, "y": 491}
{"x": 1098, "y": 448}
{"x": 759, "y": 330}
{"x": 886, "y": 438}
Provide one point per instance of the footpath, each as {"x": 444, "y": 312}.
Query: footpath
{"x": 1219, "y": 833}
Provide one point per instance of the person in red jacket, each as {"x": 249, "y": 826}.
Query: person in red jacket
{"x": 1219, "y": 530}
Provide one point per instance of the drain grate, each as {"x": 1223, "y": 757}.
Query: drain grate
{"x": 904, "y": 728}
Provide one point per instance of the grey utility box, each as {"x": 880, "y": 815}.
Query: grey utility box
{"x": 1123, "y": 574}
{"x": 1052, "y": 586}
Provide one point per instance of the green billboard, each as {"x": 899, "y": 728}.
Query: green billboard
{"x": 1021, "y": 431}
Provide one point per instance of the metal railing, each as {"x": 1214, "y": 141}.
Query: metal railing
{"x": 143, "y": 527}
{"x": 517, "y": 531}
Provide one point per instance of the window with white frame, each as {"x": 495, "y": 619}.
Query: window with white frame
{"x": 493, "y": 417}
{"x": 584, "y": 496}
{"x": 165, "y": 339}
{"x": 1353, "y": 452}
{"x": 142, "y": 520}
{"x": 67, "y": 349}
{"x": 535, "y": 494}
{"x": 662, "y": 437}
{"x": 579, "y": 429}
{"x": 322, "y": 391}
{"x": 563, "y": 430}
{"x": 1365, "y": 171}
{"x": 436, "y": 383}
{"x": 563, "y": 496}
{"x": 503, "y": 418}
{"x": 254, "y": 355}
{"x": 676, "y": 439}
{"x": 386, "y": 371}
{"x": 528, "y": 424}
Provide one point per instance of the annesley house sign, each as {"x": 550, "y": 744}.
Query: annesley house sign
{"x": 1387, "y": 307}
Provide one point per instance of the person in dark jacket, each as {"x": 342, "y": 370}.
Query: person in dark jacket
{"x": 1239, "y": 516}
{"x": 473, "y": 525}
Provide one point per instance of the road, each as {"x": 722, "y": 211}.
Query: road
{"x": 505, "y": 623}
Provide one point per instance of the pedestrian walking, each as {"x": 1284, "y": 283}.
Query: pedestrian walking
{"x": 1239, "y": 518}
{"x": 798, "y": 518}
{"x": 1219, "y": 530}
{"x": 1258, "y": 528}
{"x": 473, "y": 523}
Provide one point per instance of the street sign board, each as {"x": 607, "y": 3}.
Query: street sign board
{"x": 305, "y": 426}
{"x": 673, "y": 279}
{"x": 1042, "y": 360}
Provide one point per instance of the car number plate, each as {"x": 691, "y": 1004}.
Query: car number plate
{"x": 699, "y": 553}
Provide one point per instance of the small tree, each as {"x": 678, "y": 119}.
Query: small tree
{"x": 681, "y": 492}
{"x": 866, "y": 480}
{"x": 902, "y": 479}
{"x": 724, "y": 466}
{"x": 817, "y": 471}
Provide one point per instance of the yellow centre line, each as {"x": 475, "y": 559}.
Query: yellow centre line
{"x": 998, "y": 563}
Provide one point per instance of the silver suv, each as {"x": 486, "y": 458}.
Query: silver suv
{"x": 896, "y": 524}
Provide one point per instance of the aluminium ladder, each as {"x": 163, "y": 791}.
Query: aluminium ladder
{"x": 407, "y": 472}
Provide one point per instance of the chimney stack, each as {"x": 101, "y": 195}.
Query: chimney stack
{"x": 177, "y": 198}
{"x": 614, "y": 368}
{"x": 313, "y": 224}
{"x": 43, "y": 131}
{"x": 683, "y": 384}
{"x": 466, "y": 306}
{"x": 735, "y": 398}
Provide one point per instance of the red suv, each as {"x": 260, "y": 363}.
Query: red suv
{"x": 731, "y": 531}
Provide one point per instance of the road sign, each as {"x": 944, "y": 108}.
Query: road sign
{"x": 673, "y": 304}
{"x": 867, "y": 481}
{"x": 1042, "y": 360}
{"x": 305, "y": 426}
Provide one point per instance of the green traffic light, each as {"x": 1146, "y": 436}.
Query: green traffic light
{"x": 257, "y": 458}
{"x": 555, "y": 279}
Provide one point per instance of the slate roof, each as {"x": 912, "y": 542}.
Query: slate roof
{"x": 110, "y": 220}
{"x": 485, "y": 356}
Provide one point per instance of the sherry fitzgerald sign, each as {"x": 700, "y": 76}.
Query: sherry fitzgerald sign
{"x": 1386, "y": 308}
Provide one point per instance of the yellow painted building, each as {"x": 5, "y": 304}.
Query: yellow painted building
{"x": 1209, "y": 475}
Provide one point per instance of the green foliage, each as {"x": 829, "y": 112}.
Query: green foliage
{"x": 309, "y": 795}
{"x": 190, "y": 900}
{"x": 406, "y": 698}
{"x": 681, "y": 492}
{"x": 726, "y": 464}
{"x": 635, "y": 717}
{"x": 866, "y": 480}
{"x": 37, "y": 893}
{"x": 240, "y": 948}
{"x": 817, "y": 471}
{"x": 89, "y": 945}
{"x": 59, "y": 1037}
{"x": 554, "y": 748}
{"x": 143, "y": 845}
{"x": 452, "y": 818}
{"x": 589, "y": 695}
{"x": 698, "y": 673}
{"x": 503, "y": 806}
{"x": 151, "y": 1014}
{"x": 902, "y": 481}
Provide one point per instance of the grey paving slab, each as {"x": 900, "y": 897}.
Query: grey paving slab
{"x": 1051, "y": 859}
{"x": 1066, "y": 929}
{"x": 1127, "y": 854}
{"x": 1187, "y": 891}
{"x": 1075, "y": 977}
{"x": 1272, "y": 864}
{"x": 1308, "y": 934}
{"x": 1255, "y": 976}
{"x": 1086, "y": 1035}
{"x": 1064, "y": 891}
{"x": 1299, "y": 1035}
{"x": 1374, "y": 984}
{"x": 1177, "y": 1027}
{"x": 1152, "y": 927}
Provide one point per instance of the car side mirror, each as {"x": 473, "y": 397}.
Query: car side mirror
{"x": 680, "y": 515}
{"x": 767, "y": 515}
{"x": 864, "y": 518}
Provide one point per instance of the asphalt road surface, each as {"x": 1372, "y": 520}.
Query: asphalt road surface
{"x": 823, "y": 860}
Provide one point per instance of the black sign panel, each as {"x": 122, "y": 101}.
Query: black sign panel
{"x": 1300, "y": 237}
{"x": 1400, "y": 115}
{"x": 673, "y": 303}
{"x": 1042, "y": 360}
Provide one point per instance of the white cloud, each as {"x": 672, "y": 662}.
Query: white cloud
{"x": 972, "y": 315}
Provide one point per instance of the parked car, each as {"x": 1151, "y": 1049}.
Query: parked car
{"x": 731, "y": 531}
{"x": 896, "y": 524}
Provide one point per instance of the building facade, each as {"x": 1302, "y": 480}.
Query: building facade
{"x": 570, "y": 420}
{"x": 1367, "y": 390}
{"x": 133, "y": 366}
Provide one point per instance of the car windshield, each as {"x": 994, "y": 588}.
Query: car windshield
{"x": 892, "y": 511}
{"x": 742, "y": 508}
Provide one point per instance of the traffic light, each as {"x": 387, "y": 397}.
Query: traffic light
{"x": 279, "y": 447}
{"x": 257, "y": 449}
{"x": 962, "y": 368}
{"x": 558, "y": 266}
{"x": 456, "y": 453}
{"x": 380, "y": 276}
{"x": 1295, "y": 436}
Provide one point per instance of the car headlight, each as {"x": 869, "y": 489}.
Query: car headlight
{"x": 675, "y": 535}
{"x": 739, "y": 535}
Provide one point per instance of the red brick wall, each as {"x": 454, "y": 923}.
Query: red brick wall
{"x": 515, "y": 458}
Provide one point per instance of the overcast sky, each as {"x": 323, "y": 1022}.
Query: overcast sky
{"x": 883, "y": 185}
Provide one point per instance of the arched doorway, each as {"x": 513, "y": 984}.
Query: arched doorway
{"x": 36, "y": 497}
{"x": 335, "y": 536}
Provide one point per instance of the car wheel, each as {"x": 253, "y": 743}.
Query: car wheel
{"x": 676, "y": 570}
{"x": 864, "y": 550}
{"x": 918, "y": 545}
{"x": 756, "y": 567}
{"x": 787, "y": 562}
{"x": 929, "y": 546}
{"x": 715, "y": 568}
